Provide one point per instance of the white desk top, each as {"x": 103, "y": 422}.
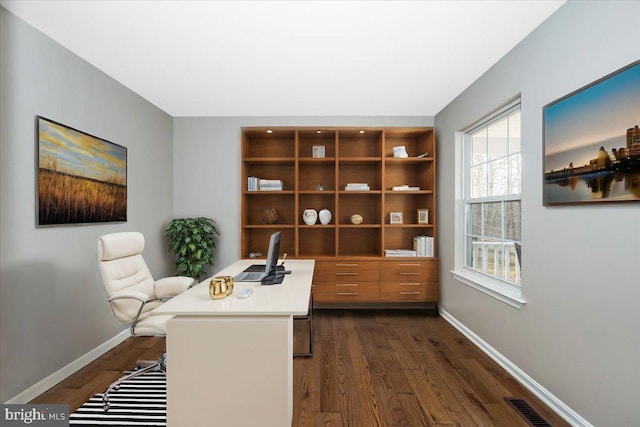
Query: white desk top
{"x": 291, "y": 297}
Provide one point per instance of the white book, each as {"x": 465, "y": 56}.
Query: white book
{"x": 400, "y": 252}
{"x": 404, "y": 188}
{"x": 270, "y": 181}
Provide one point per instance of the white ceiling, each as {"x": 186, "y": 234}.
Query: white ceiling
{"x": 290, "y": 58}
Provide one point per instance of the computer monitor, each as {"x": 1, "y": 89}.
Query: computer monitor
{"x": 271, "y": 265}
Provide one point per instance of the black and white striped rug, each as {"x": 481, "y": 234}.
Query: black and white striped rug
{"x": 140, "y": 401}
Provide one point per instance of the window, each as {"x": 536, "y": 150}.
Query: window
{"x": 492, "y": 194}
{"x": 490, "y": 220}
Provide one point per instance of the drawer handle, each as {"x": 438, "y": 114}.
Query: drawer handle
{"x": 409, "y": 293}
{"x": 347, "y": 284}
{"x": 409, "y": 265}
{"x": 346, "y": 293}
{"x": 409, "y": 274}
{"x": 409, "y": 284}
{"x": 347, "y": 265}
{"x": 346, "y": 274}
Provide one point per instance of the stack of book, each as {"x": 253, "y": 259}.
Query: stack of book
{"x": 400, "y": 252}
{"x": 404, "y": 188}
{"x": 423, "y": 245}
{"x": 257, "y": 184}
{"x": 357, "y": 186}
{"x": 270, "y": 185}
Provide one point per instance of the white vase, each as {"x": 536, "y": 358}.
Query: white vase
{"x": 325, "y": 216}
{"x": 310, "y": 216}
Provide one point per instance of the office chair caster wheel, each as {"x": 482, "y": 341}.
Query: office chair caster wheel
{"x": 106, "y": 407}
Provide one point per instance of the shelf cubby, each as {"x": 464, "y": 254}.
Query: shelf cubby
{"x": 408, "y": 203}
{"x": 366, "y": 204}
{"x": 359, "y": 241}
{"x": 263, "y": 143}
{"x": 359, "y": 144}
{"x": 316, "y": 241}
{"x": 309, "y": 138}
{"x": 317, "y": 201}
{"x": 262, "y": 200}
{"x": 257, "y": 240}
{"x": 416, "y": 141}
{"x": 314, "y": 172}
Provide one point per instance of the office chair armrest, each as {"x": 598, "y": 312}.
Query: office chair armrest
{"x": 172, "y": 286}
{"x": 130, "y": 294}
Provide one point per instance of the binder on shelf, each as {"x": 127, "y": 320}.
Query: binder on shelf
{"x": 423, "y": 245}
{"x": 252, "y": 183}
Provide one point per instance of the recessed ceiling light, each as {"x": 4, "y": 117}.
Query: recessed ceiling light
{"x": 269, "y": 131}
{"x": 318, "y": 131}
{"x": 361, "y": 131}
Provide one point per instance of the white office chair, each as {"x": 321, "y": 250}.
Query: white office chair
{"x": 133, "y": 293}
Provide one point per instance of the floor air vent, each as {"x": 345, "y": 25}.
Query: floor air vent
{"x": 527, "y": 412}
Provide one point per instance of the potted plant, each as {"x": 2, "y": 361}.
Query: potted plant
{"x": 193, "y": 242}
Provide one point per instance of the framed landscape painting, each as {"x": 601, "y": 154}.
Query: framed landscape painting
{"x": 592, "y": 142}
{"x": 81, "y": 178}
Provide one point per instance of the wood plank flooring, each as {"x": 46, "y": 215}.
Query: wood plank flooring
{"x": 370, "y": 368}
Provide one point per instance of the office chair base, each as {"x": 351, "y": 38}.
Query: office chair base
{"x": 142, "y": 367}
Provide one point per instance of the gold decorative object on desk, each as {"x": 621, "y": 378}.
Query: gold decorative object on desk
{"x": 220, "y": 287}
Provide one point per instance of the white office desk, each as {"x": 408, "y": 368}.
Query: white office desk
{"x": 230, "y": 361}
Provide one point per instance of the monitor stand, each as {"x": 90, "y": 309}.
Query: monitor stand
{"x": 276, "y": 276}
{"x": 273, "y": 278}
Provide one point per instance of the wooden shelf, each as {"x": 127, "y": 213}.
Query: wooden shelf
{"x": 351, "y": 155}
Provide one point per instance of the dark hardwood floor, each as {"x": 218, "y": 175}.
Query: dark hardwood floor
{"x": 370, "y": 368}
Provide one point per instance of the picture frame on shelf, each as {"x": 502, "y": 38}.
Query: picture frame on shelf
{"x": 318, "y": 151}
{"x": 423, "y": 216}
{"x": 395, "y": 218}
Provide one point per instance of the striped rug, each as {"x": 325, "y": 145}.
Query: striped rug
{"x": 140, "y": 401}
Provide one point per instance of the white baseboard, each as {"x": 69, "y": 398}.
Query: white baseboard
{"x": 543, "y": 394}
{"x": 45, "y": 384}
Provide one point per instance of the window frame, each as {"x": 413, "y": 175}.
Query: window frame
{"x": 496, "y": 287}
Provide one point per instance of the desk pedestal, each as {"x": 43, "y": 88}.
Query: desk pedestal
{"x": 230, "y": 371}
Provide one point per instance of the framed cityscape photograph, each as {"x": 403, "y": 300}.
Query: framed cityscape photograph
{"x": 592, "y": 142}
{"x": 80, "y": 179}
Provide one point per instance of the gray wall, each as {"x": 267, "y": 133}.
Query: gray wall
{"x": 53, "y": 306}
{"x": 207, "y": 166}
{"x": 578, "y": 334}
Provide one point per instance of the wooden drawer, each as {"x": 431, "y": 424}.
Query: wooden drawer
{"x": 345, "y": 292}
{"x": 409, "y": 271}
{"x": 346, "y": 271}
{"x": 409, "y": 291}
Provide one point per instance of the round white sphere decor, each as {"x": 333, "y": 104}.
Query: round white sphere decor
{"x": 325, "y": 216}
{"x": 310, "y": 216}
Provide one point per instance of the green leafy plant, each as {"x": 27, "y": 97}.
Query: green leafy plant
{"x": 193, "y": 242}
